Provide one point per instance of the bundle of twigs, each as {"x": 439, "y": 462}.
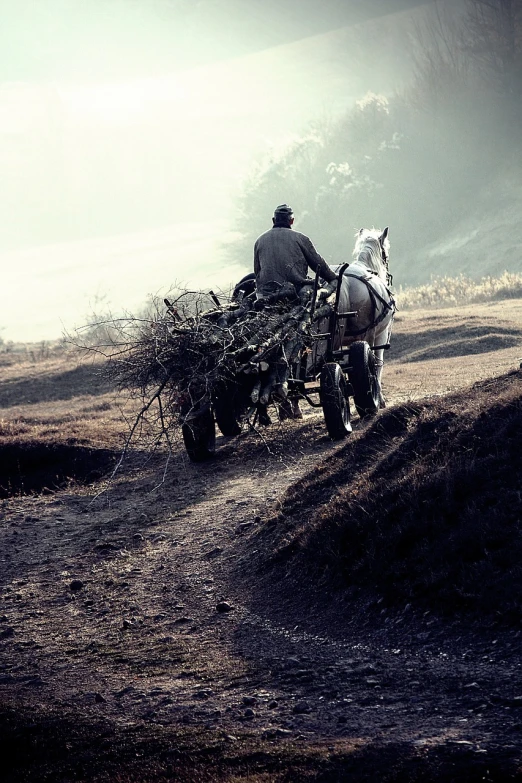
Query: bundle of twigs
{"x": 186, "y": 356}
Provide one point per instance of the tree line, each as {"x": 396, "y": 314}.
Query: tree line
{"x": 417, "y": 159}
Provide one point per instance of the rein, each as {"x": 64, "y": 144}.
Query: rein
{"x": 389, "y": 276}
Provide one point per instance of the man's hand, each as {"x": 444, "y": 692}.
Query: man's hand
{"x": 327, "y": 291}
{"x": 331, "y": 287}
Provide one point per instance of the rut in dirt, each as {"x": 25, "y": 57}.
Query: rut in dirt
{"x": 36, "y": 468}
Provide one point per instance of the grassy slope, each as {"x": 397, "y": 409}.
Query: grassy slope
{"x": 425, "y": 506}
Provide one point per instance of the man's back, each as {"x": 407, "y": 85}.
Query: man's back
{"x": 282, "y": 255}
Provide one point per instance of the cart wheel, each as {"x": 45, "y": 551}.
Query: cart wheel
{"x": 363, "y": 378}
{"x": 225, "y": 413}
{"x": 199, "y": 436}
{"x": 334, "y": 399}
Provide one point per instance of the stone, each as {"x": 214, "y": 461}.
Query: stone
{"x": 224, "y": 606}
{"x": 213, "y": 552}
{"x": 203, "y": 693}
{"x": 283, "y": 732}
{"x": 269, "y": 733}
{"x": 301, "y": 708}
{"x": 76, "y": 585}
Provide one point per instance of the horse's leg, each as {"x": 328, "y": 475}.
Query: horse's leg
{"x": 381, "y": 339}
{"x": 379, "y": 363}
{"x": 262, "y": 415}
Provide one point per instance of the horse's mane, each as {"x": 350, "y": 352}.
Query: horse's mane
{"x": 368, "y": 250}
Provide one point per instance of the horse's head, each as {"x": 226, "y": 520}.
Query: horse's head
{"x": 372, "y": 247}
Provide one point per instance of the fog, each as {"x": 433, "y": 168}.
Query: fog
{"x": 129, "y": 127}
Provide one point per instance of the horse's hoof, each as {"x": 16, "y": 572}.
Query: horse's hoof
{"x": 297, "y": 413}
{"x": 265, "y": 420}
{"x": 382, "y": 402}
{"x": 284, "y": 410}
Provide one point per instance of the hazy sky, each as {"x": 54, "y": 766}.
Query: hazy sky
{"x": 126, "y": 127}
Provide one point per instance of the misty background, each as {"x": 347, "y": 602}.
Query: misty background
{"x": 145, "y": 143}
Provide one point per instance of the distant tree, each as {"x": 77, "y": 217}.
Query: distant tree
{"x": 441, "y": 66}
{"x": 494, "y": 39}
{"x": 417, "y": 160}
{"x": 291, "y": 175}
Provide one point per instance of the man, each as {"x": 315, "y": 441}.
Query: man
{"x": 282, "y": 257}
{"x": 281, "y": 261}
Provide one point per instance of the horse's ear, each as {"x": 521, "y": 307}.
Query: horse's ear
{"x": 384, "y": 234}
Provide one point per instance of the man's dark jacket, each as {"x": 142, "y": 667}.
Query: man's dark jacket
{"x": 282, "y": 255}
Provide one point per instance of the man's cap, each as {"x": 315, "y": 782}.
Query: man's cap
{"x": 283, "y": 210}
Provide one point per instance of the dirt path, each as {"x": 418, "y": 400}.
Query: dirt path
{"x": 140, "y": 608}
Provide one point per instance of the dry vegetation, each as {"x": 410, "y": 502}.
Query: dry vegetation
{"x": 60, "y": 420}
{"x": 374, "y": 623}
{"x": 424, "y": 509}
{"x": 452, "y": 291}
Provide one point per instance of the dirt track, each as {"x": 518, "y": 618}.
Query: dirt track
{"x": 110, "y": 613}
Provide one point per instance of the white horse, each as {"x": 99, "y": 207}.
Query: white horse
{"x": 365, "y": 292}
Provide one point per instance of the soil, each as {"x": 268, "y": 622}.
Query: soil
{"x": 142, "y": 638}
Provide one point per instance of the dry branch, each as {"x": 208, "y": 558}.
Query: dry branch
{"x": 185, "y": 358}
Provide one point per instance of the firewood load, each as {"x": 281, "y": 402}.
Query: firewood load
{"x": 189, "y": 358}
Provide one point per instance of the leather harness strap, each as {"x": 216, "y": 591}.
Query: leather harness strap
{"x": 373, "y": 296}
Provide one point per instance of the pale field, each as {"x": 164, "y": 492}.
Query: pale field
{"x": 448, "y": 349}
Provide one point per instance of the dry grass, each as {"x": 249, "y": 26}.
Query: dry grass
{"x": 460, "y": 290}
{"x": 30, "y": 353}
{"x": 60, "y": 421}
{"x": 59, "y": 398}
{"x": 424, "y": 507}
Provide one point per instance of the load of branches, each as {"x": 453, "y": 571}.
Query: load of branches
{"x": 235, "y": 357}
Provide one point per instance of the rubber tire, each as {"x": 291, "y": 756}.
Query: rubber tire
{"x": 334, "y": 400}
{"x": 199, "y": 436}
{"x": 225, "y": 413}
{"x": 363, "y": 379}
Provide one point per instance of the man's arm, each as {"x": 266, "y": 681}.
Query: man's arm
{"x": 257, "y": 266}
{"x": 317, "y": 262}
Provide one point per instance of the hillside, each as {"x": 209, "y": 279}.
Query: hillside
{"x": 423, "y": 510}
{"x": 223, "y": 622}
{"x": 486, "y": 240}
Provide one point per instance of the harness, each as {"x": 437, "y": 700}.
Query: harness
{"x": 374, "y": 296}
